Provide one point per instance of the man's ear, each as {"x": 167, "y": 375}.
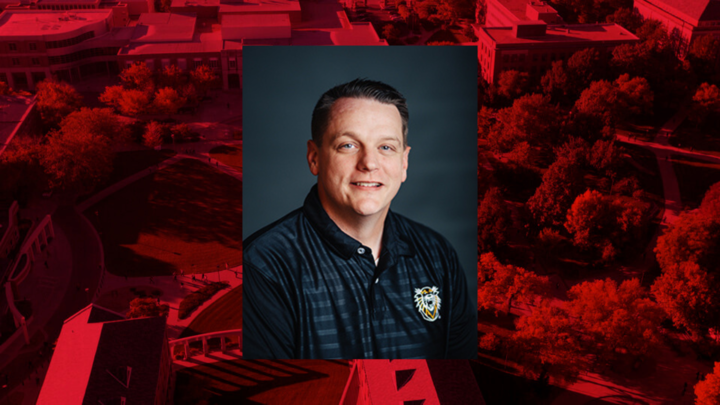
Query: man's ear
{"x": 405, "y": 163}
{"x": 313, "y": 153}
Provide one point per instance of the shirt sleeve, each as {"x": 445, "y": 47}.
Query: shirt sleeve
{"x": 268, "y": 326}
{"x": 462, "y": 342}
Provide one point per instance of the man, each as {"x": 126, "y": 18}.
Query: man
{"x": 343, "y": 276}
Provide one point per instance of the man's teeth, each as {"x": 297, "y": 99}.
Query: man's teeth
{"x": 368, "y": 184}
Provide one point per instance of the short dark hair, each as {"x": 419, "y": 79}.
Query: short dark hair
{"x": 358, "y": 88}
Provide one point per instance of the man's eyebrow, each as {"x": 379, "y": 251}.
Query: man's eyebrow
{"x": 352, "y": 135}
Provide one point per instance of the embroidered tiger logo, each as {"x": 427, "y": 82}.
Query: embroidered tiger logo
{"x": 427, "y": 302}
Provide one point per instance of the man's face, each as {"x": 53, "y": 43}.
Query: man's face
{"x": 362, "y": 160}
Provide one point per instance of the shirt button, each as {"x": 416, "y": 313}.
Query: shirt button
{"x": 361, "y": 250}
{"x": 376, "y": 280}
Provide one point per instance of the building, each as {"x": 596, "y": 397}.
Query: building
{"x": 428, "y": 382}
{"x": 99, "y": 37}
{"x": 532, "y": 46}
{"x": 36, "y": 44}
{"x": 103, "y": 358}
{"x": 684, "y": 20}
{"x": 503, "y": 13}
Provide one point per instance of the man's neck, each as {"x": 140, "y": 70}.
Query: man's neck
{"x": 367, "y": 230}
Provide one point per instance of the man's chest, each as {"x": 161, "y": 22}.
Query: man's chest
{"x": 353, "y": 309}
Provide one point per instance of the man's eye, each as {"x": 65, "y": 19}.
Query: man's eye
{"x": 386, "y": 147}
{"x": 347, "y": 146}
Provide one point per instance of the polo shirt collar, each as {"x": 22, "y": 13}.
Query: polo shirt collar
{"x": 393, "y": 241}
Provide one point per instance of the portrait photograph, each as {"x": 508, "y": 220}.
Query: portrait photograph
{"x": 355, "y": 155}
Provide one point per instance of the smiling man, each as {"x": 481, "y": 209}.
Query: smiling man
{"x": 344, "y": 276}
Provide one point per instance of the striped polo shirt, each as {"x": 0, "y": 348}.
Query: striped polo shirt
{"x": 312, "y": 291}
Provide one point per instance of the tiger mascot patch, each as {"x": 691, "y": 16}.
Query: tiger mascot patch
{"x": 427, "y": 301}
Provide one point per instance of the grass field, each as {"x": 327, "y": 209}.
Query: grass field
{"x": 694, "y": 178}
{"x": 223, "y": 314}
{"x": 186, "y": 216}
{"x": 231, "y": 155}
{"x": 128, "y": 163}
{"x": 263, "y": 381}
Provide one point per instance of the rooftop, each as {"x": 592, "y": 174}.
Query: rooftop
{"x": 200, "y": 42}
{"x": 14, "y": 23}
{"x": 257, "y": 6}
{"x": 577, "y": 33}
{"x": 690, "y": 10}
{"x": 519, "y": 7}
{"x": 94, "y": 346}
{"x": 164, "y": 27}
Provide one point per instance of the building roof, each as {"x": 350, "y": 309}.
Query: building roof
{"x": 258, "y": 6}
{"x": 690, "y": 10}
{"x": 205, "y": 42}
{"x": 563, "y": 34}
{"x": 95, "y": 348}
{"x": 164, "y": 27}
{"x": 16, "y": 23}
{"x": 519, "y": 7}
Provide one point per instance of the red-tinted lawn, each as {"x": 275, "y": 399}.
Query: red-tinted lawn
{"x": 231, "y": 155}
{"x": 187, "y": 216}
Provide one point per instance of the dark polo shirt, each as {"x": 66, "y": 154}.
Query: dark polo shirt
{"x": 312, "y": 291}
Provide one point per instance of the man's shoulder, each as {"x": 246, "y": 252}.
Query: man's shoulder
{"x": 419, "y": 234}
{"x": 275, "y": 240}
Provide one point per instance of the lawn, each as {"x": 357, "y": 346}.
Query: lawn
{"x": 223, "y": 314}
{"x": 263, "y": 381}
{"x": 694, "y": 177}
{"x": 230, "y": 155}
{"x": 186, "y": 216}
{"x": 128, "y": 163}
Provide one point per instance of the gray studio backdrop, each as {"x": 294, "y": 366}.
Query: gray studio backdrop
{"x": 280, "y": 88}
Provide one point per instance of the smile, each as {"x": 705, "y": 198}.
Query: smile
{"x": 366, "y": 184}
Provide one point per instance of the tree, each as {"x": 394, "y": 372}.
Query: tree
{"x": 694, "y": 237}
{"x": 172, "y": 76}
{"x": 512, "y": 84}
{"x": 561, "y": 183}
{"x": 138, "y": 77}
{"x": 531, "y": 118}
{"x": 710, "y": 205}
{"x": 100, "y": 121}
{"x": 77, "y": 160}
{"x": 153, "y": 135}
{"x": 585, "y": 66}
{"x": 707, "y": 391}
{"x": 133, "y": 102}
{"x": 599, "y": 100}
{"x": 55, "y": 100}
{"x": 506, "y": 283}
{"x": 21, "y": 168}
{"x": 549, "y": 345}
{"x": 485, "y": 119}
{"x": 146, "y": 307}
{"x": 555, "y": 82}
{"x": 493, "y": 221}
{"x": 626, "y": 18}
{"x": 690, "y": 296}
{"x": 605, "y": 224}
{"x": 604, "y": 156}
{"x": 130, "y": 102}
{"x": 203, "y": 78}
{"x": 390, "y": 32}
{"x": 615, "y": 317}
{"x": 654, "y": 35}
{"x": 634, "y": 96}
{"x": 704, "y": 55}
{"x": 633, "y": 59}
{"x": 706, "y": 102}
{"x": 168, "y": 101}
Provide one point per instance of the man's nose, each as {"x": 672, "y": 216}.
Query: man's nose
{"x": 368, "y": 160}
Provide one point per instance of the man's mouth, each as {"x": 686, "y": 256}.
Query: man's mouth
{"x": 366, "y": 184}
